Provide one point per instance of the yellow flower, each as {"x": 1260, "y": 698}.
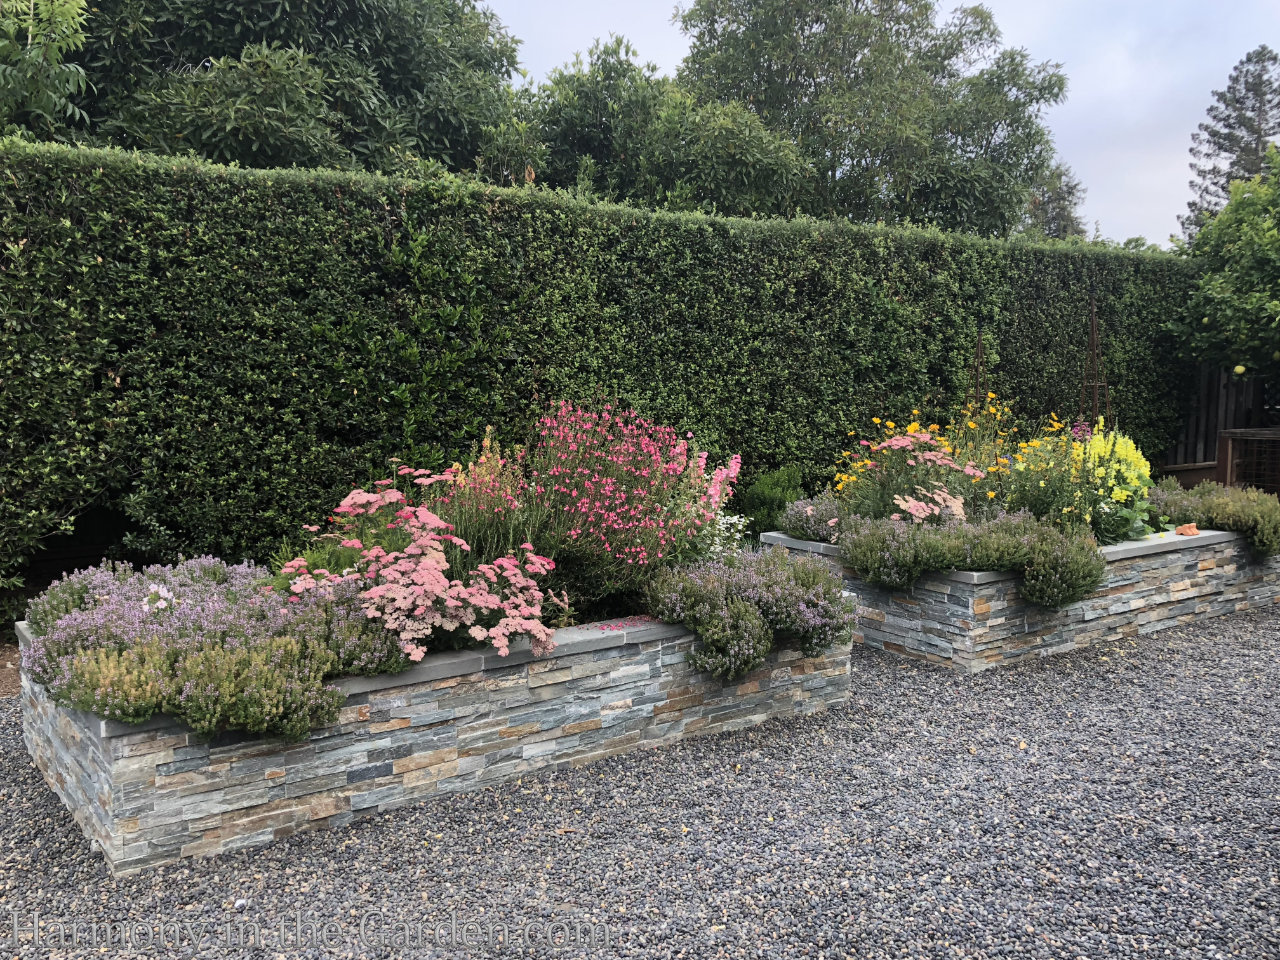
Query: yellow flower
{"x": 991, "y": 494}
{"x": 891, "y": 425}
{"x": 991, "y": 396}
{"x": 915, "y": 413}
{"x": 913, "y": 427}
{"x": 875, "y": 419}
{"x": 972, "y": 425}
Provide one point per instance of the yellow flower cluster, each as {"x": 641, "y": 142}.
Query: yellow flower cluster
{"x": 1102, "y": 479}
{"x": 1112, "y": 460}
{"x": 1059, "y": 472}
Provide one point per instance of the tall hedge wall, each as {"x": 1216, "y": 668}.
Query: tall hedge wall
{"x": 223, "y": 352}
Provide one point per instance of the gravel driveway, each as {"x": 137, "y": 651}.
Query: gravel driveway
{"x": 1120, "y": 802}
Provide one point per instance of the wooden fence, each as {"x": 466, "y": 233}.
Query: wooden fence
{"x": 1222, "y": 403}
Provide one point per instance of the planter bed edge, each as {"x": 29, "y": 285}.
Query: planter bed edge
{"x": 153, "y": 793}
{"x": 975, "y": 620}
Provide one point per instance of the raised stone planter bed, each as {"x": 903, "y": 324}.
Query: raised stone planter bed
{"x": 973, "y": 621}
{"x": 153, "y": 793}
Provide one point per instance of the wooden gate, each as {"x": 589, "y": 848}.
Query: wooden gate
{"x": 1222, "y": 403}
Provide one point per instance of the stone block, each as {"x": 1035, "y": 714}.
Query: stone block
{"x": 975, "y": 621}
{"x": 153, "y": 794}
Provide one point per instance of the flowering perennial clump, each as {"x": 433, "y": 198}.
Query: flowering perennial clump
{"x": 1087, "y": 475}
{"x": 608, "y": 494}
{"x": 394, "y": 551}
{"x": 742, "y": 605}
{"x": 978, "y": 466}
{"x": 878, "y": 475}
{"x": 204, "y": 641}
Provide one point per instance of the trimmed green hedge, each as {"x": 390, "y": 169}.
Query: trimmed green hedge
{"x": 223, "y": 352}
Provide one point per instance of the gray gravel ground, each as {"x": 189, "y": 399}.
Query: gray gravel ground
{"x": 1119, "y": 802}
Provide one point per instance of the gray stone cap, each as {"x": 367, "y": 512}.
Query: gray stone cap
{"x": 602, "y": 635}
{"x": 1155, "y": 543}
{"x": 1165, "y": 543}
{"x": 805, "y": 546}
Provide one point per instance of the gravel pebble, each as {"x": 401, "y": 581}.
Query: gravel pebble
{"x": 1115, "y": 802}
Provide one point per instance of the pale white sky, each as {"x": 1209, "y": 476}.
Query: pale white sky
{"x": 1141, "y": 75}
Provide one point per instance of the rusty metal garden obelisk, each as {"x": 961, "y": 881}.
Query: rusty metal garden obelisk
{"x": 979, "y": 397}
{"x": 1095, "y": 398}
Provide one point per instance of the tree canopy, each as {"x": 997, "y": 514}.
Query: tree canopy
{"x": 615, "y": 128}
{"x": 902, "y": 115}
{"x": 1231, "y": 144}
{"x": 37, "y": 86}
{"x": 277, "y": 82}
{"x": 1239, "y": 299}
{"x": 1054, "y": 208}
{"x": 866, "y": 110}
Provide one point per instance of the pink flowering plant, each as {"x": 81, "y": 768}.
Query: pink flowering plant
{"x": 396, "y": 549}
{"x": 914, "y": 474}
{"x": 609, "y": 494}
{"x": 928, "y": 504}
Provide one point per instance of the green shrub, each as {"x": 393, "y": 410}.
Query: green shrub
{"x": 744, "y": 604}
{"x": 1061, "y": 569}
{"x": 1248, "y": 511}
{"x": 896, "y": 554}
{"x": 275, "y": 686}
{"x": 222, "y": 352}
{"x": 814, "y": 518}
{"x": 204, "y": 642}
{"x": 1058, "y": 566}
{"x": 764, "y": 500}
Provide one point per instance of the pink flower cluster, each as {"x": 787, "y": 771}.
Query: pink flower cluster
{"x": 934, "y": 502}
{"x": 922, "y": 449}
{"x": 629, "y": 487}
{"x": 410, "y": 589}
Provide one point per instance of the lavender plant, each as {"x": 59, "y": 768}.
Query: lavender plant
{"x": 202, "y": 640}
{"x": 1058, "y": 566}
{"x": 744, "y": 604}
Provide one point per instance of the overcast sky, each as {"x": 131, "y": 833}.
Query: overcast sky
{"x": 1141, "y": 75}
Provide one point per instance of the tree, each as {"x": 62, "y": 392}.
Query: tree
{"x": 1054, "y": 208}
{"x": 1232, "y": 143}
{"x": 37, "y": 88}
{"x": 265, "y": 108}
{"x": 902, "y": 117}
{"x": 615, "y": 128}
{"x": 1239, "y": 299}
{"x": 278, "y": 82}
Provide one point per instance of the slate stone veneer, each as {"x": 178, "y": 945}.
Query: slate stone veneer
{"x": 973, "y": 621}
{"x": 152, "y": 793}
